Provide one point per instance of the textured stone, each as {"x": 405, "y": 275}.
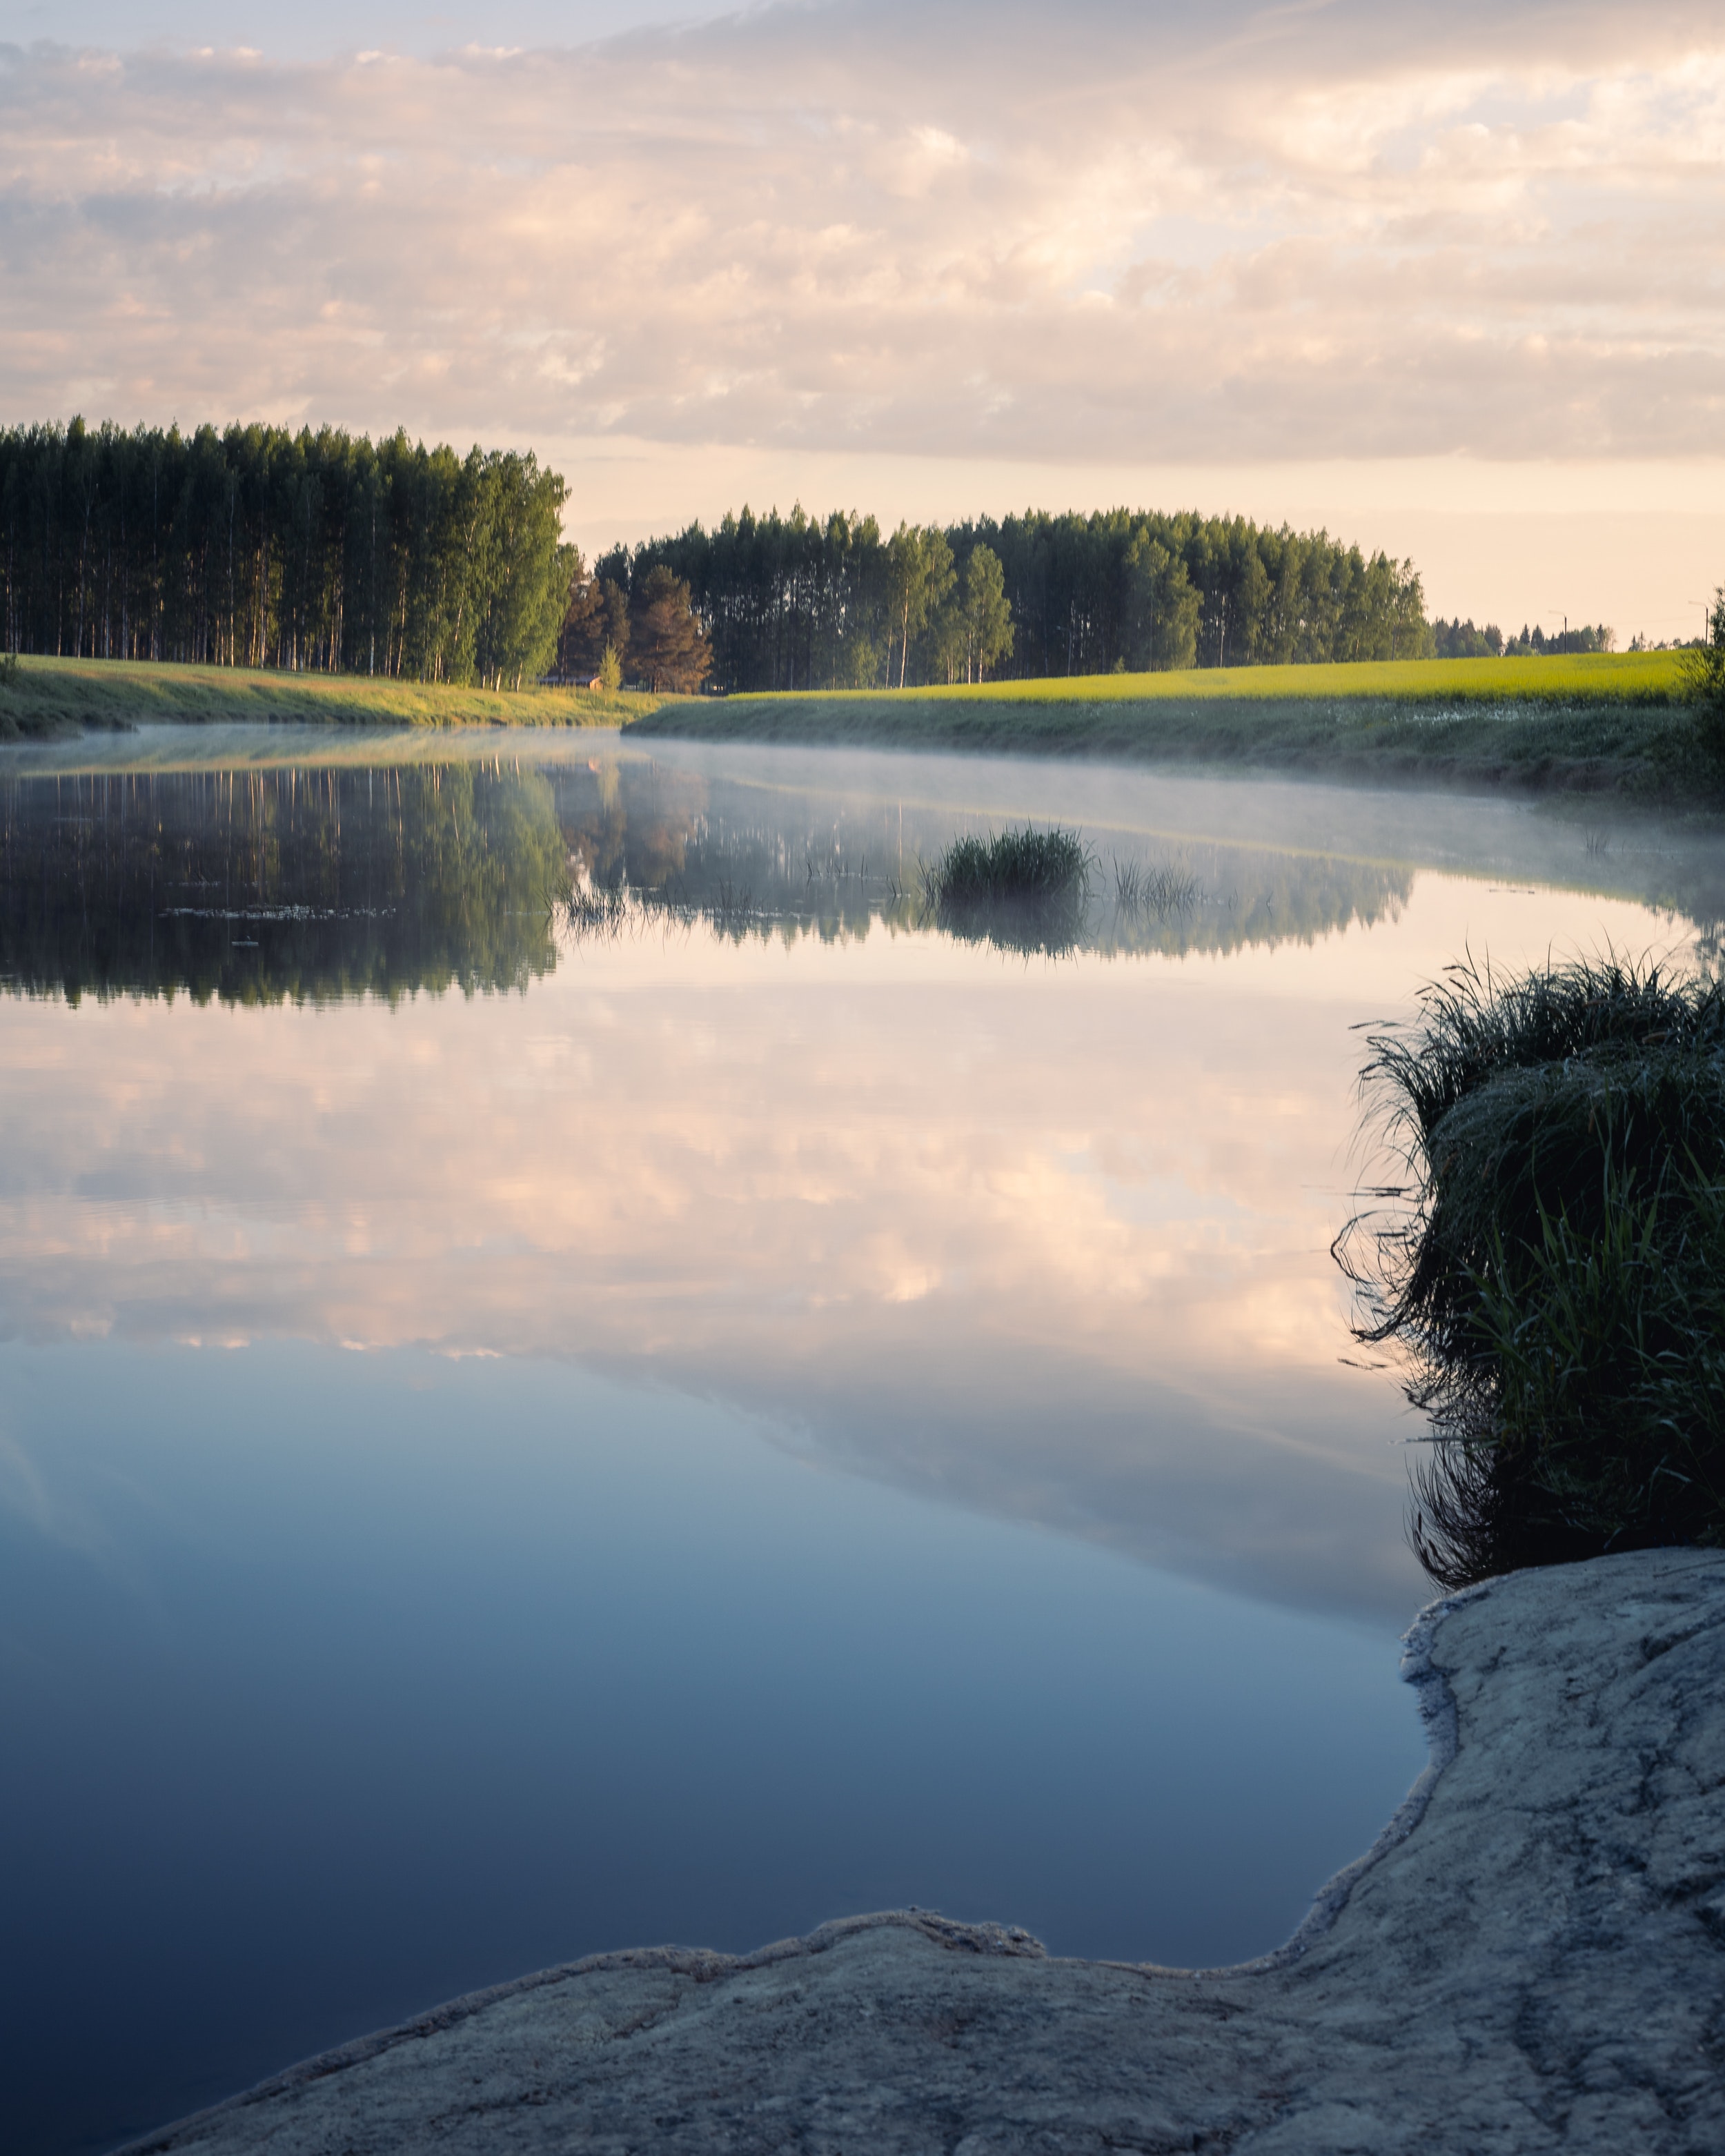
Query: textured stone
{"x": 1531, "y": 1958}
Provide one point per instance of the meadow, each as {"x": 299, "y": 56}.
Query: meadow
{"x": 1648, "y": 678}
{"x": 1606, "y": 723}
{"x": 44, "y": 697}
{"x": 1596, "y": 723}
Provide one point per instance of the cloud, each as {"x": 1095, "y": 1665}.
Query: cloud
{"x": 1132, "y": 234}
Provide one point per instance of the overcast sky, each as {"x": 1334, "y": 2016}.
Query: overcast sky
{"x": 1449, "y": 278}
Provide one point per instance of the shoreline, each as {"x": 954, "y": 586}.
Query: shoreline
{"x": 1616, "y": 749}
{"x": 1530, "y": 1956}
{"x": 56, "y": 699}
{"x": 1615, "y": 726}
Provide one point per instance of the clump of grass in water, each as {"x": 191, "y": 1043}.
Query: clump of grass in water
{"x": 1022, "y": 867}
{"x": 1161, "y": 888}
{"x": 732, "y": 911}
{"x": 1026, "y": 889}
{"x": 597, "y": 912}
{"x": 1555, "y": 1269}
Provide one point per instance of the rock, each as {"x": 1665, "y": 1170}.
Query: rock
{"x": 1531, "y": 1958}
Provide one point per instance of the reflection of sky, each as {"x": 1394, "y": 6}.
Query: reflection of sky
{"x": 1048, "y": 1240}
{"x": 741, "y": 1431}
{"x": 335, "y": 1685}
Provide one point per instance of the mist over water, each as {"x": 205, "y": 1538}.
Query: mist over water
{"x": 417, "y": 862}
{"x": 576, "y": 1371}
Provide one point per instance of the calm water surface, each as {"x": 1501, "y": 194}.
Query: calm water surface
{"x": 572, "y": 1373}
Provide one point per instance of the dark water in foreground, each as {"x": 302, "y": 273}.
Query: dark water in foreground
{"x": 573, "y": 1374}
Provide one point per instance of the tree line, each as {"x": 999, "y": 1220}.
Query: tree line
{"x": 324, "y": 551}
{"x": 1460, "y": 639}
{"x": 258, "y": 547}
{"x": 798, "y": 601}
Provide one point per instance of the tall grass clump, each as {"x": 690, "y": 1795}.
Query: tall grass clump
{"x": 1554, "y": 1267}
{"x": 597, "y": 914}
{"x": 1159, "y": 887}
{"x": 1010, "y": 868}
{"x": 1026, "y": 890}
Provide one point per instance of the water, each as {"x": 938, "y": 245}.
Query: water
{"x": 527, "y": 1429}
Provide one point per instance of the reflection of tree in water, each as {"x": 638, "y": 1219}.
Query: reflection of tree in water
{"x": 644, "y": 843}
{"x": 338, "y": 881}
{"x": 1693, "y": 890}
{"x": 254, "y": 886}
{"x": 1245, "y": 896}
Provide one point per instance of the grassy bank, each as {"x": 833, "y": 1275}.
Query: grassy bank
{"x": 45, "y": 697}
{"x": 1608, "y": 723}
{"x": 1550, "y": 1257}
{"x": 1612, "y": 722}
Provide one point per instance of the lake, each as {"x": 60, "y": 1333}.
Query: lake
{"x": 575, "y": 1372}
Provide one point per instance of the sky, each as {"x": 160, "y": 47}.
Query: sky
{"x": 1445, "y": 277}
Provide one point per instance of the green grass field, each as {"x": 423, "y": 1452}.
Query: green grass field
{"x": 48, "y": 696}
{"x": 1606, "y": 723}
{"x": 1652, "y": 678}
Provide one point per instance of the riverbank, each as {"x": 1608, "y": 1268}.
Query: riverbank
{"x": 1604, "y": 724}
{"x": 47, "y": 699}
{"x": 1600, "y": 724}
{"x": 1531, "y": 1958}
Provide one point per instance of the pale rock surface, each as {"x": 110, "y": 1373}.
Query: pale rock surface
{"x": 1533, "y": 1957}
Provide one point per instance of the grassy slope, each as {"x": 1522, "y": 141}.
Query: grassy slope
{"x": 59, "y": 695}
{"x": 1608, "y": 723}
{"x": 1636, "y": 677}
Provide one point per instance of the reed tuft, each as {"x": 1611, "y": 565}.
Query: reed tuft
{"x": 1025, "y": 889}
{"x": 1554, "y": 1267}
{"x": 1022, "y": 867}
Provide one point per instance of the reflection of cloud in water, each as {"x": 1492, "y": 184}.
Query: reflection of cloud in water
{"x": 1046, "y": 1240}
